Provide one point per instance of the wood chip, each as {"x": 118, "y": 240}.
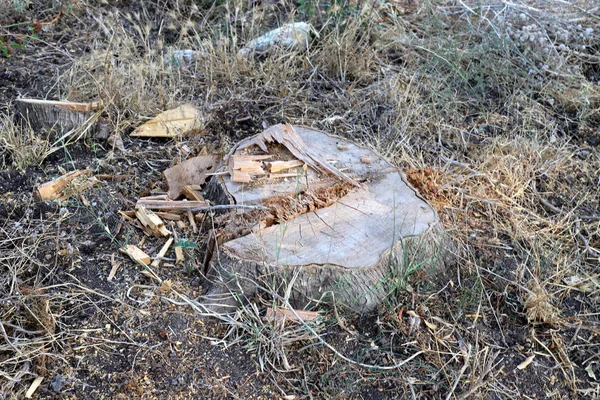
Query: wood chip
{"x": 278, "y": 166}
{"x": 283, "y": 314}
{"x": 192, "y": 192}
{"x": 168, "y": 216}
{"x": 163, "y": 251}
{"x": 525, "y": 363}
{"x": 190, "y": 172}
{"x": 179, "y": 257}
{"x": 190, "y": 216}
{"x": 65, "y": 186}
{"x": 249, "y": 166}
{"x": 128, "y": 215}
{"x": 172, "y": 123}
{"x": 136, "y": 254}
{"x": 152, "y": 221}
{"x": 85, "y": 202}
{"x": 34, "y": 385}
{"x": 115, "y": 266}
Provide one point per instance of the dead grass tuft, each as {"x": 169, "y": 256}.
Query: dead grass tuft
{"x": 20, "y": 146}
{"x": 538, "y": 306}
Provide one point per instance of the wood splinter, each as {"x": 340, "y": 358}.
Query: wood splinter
{"x": 65, "y": 186}
{"x": 136, "y": 254}
{"x": 152, "y": 221}
{"x": 192, "y": 192}
{"x": 169, "y": 205}
{"x": 163, "y": 251}
{"x": 278, "y": 166}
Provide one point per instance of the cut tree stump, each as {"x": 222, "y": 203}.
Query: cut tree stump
{"x": 351, "y": 237}
{"x": 60, "y": 116}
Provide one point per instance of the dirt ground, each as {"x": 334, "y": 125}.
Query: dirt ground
{"x": 512, "y": 170}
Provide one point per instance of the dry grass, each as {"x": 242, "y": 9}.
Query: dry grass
{"x": 20, "y": 146}
{"x": 497, "y": 133}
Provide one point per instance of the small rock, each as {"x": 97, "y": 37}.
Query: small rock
{"x": 288, "y": 37}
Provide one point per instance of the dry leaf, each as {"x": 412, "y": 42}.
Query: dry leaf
{"x": 430, "y": 325}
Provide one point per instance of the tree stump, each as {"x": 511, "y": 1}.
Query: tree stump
{"x": 60, "y": 116}
{"x": 345, "y": 226}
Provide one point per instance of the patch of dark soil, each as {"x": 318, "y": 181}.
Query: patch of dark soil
{"x": 37, "y": 59}
{"x": 15, "y": 181}
{"x": 238, "y": 119}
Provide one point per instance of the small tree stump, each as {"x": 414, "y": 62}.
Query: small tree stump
{"x": 348, "y": 231}
{"x": 60, "y": 116}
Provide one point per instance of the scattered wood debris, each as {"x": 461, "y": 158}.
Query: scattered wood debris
{"x": 152, "y": 221}
{"x": 192, "y": 192}
{"x": 136, "y": 254}
{"x": 244, "y": 168}
{"x": 287, "y": 136}
{"x": 284, "y": 314}
{"x": 66, "y": 186}
{"x": 172, "y": 123}
{"x": 34, "y": 385}
{"x": 189, "y": 172}
{"x": 169, "y": 205}
{"x": 163, "y": 251}
{"x": 278, "y": 166}
{"x": 179, "y": 257}
{"x": 168, "y": 216}
{"x": 114, "y": 267}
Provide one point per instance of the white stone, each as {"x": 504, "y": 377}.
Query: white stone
{"x": 293, "y": 37}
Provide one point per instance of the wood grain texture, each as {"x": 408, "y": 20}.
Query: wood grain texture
{"x": 57, "y": 116}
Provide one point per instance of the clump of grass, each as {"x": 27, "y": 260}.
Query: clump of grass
{"x": 20, "y": 146}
